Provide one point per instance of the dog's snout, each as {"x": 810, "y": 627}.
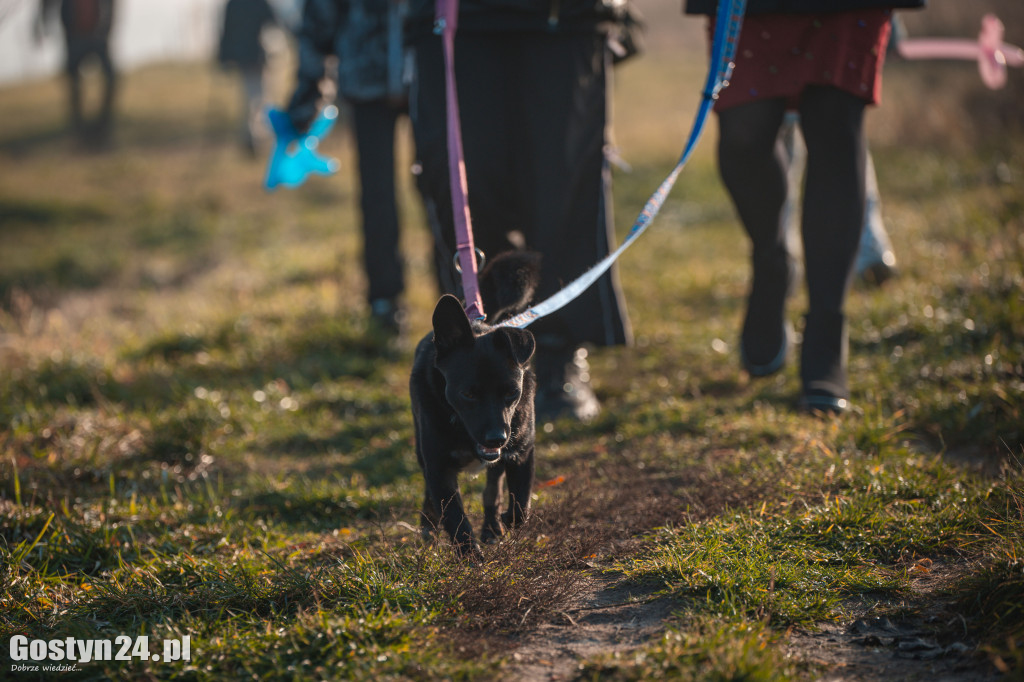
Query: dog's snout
{"x": 495, "y": 438}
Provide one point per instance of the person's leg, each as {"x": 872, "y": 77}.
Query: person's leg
{"x": 876, "y": 260}
{"x": 833, "y": 216}
{"x": 564, "y": 181}
{"x": 753, "y": 166}
{"x": 427, "y": 115}
{"x": 489, "y": 123}
{"x": 75, "y": 56}
{"x": 374, "y": 124}
{"x": 105, "y": 122}
{"x": 485, "y": 120}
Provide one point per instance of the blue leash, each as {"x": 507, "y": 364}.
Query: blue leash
{"x": 723, "y": 48}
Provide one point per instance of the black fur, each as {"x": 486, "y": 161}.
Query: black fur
{"x": 472, "y": 391}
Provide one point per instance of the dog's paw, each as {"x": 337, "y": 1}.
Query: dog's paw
{"x": 510, "y": 520}
{"x": 470, "y": 552}
{"x": 491, "y": 534}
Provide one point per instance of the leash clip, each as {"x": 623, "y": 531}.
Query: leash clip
{"x": 481, "y": 258}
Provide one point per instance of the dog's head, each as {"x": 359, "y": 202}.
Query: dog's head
{"x": 483, "y": 375}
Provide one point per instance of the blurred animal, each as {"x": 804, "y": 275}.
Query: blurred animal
{"x": 472, "y": 391}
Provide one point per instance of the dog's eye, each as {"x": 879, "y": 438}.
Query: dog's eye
{"x": 467, "y": 394}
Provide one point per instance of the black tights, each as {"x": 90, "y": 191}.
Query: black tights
{"x": 375, "y": 122}
{"x": 753, "y": 167}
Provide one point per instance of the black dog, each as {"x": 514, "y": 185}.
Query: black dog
{"x": 472, "y": 395}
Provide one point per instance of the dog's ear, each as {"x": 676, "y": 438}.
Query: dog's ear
{"x": 520, "y": 343}
{"x": 451, "y": 326}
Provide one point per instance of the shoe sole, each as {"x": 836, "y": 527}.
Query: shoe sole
{"x": 824, "y": 404}
{"x": 776, "y": 363}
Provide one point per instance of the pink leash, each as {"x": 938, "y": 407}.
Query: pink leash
{"x": 447, "y": 15}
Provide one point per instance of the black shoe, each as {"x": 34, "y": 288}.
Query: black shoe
{"x": 878, "y": 273}
{"x": 387, "y": 317}
{"x": 823, "y": 364}
{"x": 563, "y": 385}
{"x": 765, "y": 340}
{"x": 774, "y": 364}
{"x": 824, "y": 404}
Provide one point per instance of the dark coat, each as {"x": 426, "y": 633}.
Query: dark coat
{"x": 240, "y": 34}
{"x": 521, "y": 15}
{"x": 366, "y": 37}
{"x": 804, "y": 6}
{"x": 82, "y": 19}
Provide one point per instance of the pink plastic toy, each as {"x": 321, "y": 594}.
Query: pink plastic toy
{"x": 992, "y": 53}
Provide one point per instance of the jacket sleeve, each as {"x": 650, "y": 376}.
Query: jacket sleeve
{"x": 267, "y": 12}
{"x": 802, "y": 6}
{"x": 321, "y": 20}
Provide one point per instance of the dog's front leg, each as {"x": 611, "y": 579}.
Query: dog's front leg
{"x": 444, "y": 490}
{"x": 492, "y": 529}
{"x": 520, "y": 487}
{"x": 429, "y": 517}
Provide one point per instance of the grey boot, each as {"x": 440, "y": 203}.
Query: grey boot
{"x": 876, "y": 261}
{"x": 563, "y": 383}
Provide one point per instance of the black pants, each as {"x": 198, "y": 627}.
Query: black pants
{"x": 79, "y": 52}
{"x": 753, "y": 167}
{"x": 374, "y": 122}
{"x": 533, "y": 109}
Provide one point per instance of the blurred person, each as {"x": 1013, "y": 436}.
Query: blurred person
{"x": 532, "y": 81}
{"x": 240, "y": 48}
{"x": 365, "y": 36}
{"x": 827, "y": 65}
{"x": 876, "y": 260}
{"x": 87, "y": 25}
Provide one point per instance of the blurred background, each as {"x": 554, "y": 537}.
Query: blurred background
{"x": 925, "y": 101}
{"x": 144, "y": 32}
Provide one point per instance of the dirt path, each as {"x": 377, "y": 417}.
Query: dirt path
{"x": 879, "y": 649}
{"x": 883, "y": 648}
{"x": 610, "y": 617}
{"x": 604, "y": 615}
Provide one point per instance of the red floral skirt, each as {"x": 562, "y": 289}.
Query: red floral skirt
{"x": 780, "y": 54}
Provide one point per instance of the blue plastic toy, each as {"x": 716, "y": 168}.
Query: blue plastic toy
{"x": 295, "y": 156}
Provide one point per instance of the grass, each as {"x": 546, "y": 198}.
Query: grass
{"x": 200, "y": 436}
